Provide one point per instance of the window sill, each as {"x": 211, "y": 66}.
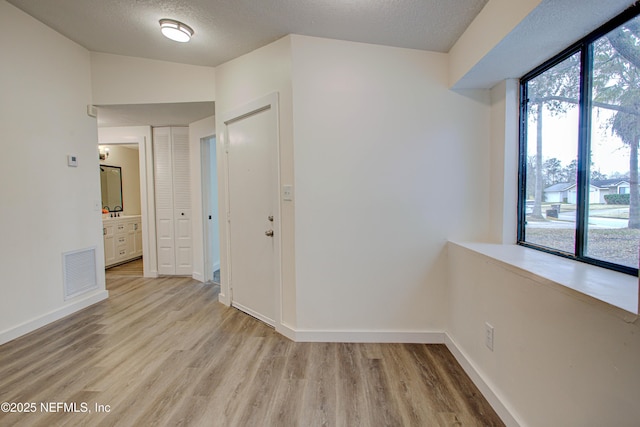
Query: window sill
{"x": 593, "y": 284}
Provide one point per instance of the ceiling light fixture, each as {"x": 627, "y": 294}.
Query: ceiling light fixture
{"x": 176, "y": 30}
{"x": 104, "y": 153}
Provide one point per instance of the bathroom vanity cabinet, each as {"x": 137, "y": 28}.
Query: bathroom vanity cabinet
{"x": 122, "y": 239}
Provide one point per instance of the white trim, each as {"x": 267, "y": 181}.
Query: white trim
{"x": 223, "y": 298}
{"x": 286, "y": 331}
{"x": 506, "y": 415}
{"x": 198, "y": 276}
{"x": 43, "y": 320}
{"x": 255, "y": 314}
{"x": 361, "y": 336}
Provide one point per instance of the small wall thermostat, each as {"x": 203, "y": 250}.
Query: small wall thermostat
{"x": 72, "y": 160}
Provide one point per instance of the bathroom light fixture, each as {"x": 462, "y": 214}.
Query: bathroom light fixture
{"x": 175, "y": 30}
{"x": 104, "y": 153}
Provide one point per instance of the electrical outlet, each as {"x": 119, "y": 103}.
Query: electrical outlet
{"x": 488, "y": 336}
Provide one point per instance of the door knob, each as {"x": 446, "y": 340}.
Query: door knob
{"x": 268, "y": 233}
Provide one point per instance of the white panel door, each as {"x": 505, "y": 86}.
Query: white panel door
{"x": 253, "y": 230}
{"x": 183, "y": 242}
{"x": 173, "y": 200}
{"x": 163, "y": 168}
{"x": 182, "y": 201}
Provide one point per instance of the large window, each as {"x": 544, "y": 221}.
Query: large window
{"x": 580, "y": 130}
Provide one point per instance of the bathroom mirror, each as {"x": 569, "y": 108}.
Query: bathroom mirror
{"x": 111, "y": 186}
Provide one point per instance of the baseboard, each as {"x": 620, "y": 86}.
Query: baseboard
{"x": 223, "y": 299}
{"x": 286, "y": 330}
{"x": 253, "y": 313}
{"x": 416, "y": 337}
{"x": 198, "y": 276}
{"x": 40, "y": 321}
{"x": 505, "y": 414}
{"x": 153, "y": 274}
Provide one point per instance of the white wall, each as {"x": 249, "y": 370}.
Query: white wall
{"x": 389, "y": 163}
{"x": 503, "y": 163}
{"x": 384, "y": 158}
{"x": 238, "y": 82}
{"x": 47, "y": 207}
{"x": 120, "y": 79}
{"x": 127, "y": 158}
{"x": 557, "y": 360}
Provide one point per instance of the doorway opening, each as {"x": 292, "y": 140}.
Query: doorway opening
{"x": 121, "y": 179}
{"x": 209, "y": 159}
{"x": 133, "y": 123}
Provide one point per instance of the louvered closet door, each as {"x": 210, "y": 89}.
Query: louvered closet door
{"x": 182, "y": 201}
{"x": 163, "y": 168}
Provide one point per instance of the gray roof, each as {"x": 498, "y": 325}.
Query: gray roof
{"x": 562, "y": 186}
{"x": 609, "y": 182}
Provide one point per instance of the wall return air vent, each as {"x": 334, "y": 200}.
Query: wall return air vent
{"x": 80, "y": 275}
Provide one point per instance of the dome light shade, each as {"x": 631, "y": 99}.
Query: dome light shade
{"x": 175, "y": 30}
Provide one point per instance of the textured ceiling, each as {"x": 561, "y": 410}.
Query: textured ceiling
{"x": 226, "y": 29}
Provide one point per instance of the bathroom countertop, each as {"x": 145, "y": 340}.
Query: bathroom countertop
{"x": 106, "y": 217}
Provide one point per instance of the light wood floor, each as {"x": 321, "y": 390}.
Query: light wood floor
{"x": 165, "y": 352}
{"x": 131, "y": 269}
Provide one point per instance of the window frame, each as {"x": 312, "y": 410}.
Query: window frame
{"x": 585, "y": 47}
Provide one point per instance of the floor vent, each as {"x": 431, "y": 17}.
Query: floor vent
{"x": 80, "y": 274}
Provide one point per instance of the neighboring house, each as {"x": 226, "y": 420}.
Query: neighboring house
{"x": 566, "y": 192}
{"x": 557, "y": 193}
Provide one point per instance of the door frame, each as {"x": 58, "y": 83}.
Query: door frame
{"x": 267, "y": 102}
{"x": 140, "y": 135}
